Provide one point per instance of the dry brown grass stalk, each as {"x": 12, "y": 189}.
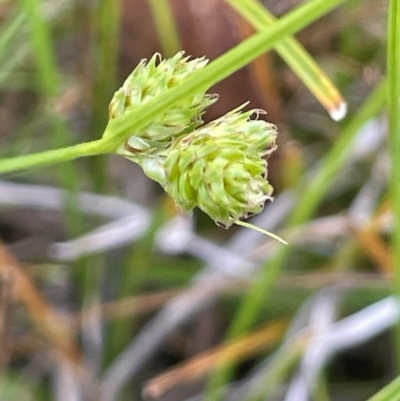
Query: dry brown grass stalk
{"x": 48, "y": 321}
{"x": 231, "y": 352}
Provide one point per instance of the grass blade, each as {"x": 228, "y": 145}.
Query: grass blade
{"x": 302, "y": 64}
{"x": 166, "y": 27}
{"x": 389, "y": 393}
{"x": 393, "y": 66}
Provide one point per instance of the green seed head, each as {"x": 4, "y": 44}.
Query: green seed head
{"x": 221, "y": 167}
{"x": 148, "y": 80}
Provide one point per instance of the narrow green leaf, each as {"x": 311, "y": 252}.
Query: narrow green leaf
{"x": 166, "y": 27}
{"x": 42, "y": 43}
{"x": 50, "y": 80}
{"x": 105, "y": 22}
{"x": 8, "y": 33}
{"x": 302, "y": 64}
{"x": 393, "y": 66}
{"x": 316, "y": 187}
{"x": 389, "y": 393}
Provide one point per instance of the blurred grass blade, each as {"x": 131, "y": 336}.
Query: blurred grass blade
{"x": 50, "y": 81}
{"x": 200, "y": 365}
{"x": 315, "y": 188}
{"x": 11, "y": 64}
{"x": 393, "y": 67}
{"x": 8, "y": 33}
{"x": 43, "y": 47}
{"x": 312, "y": 76}
{"x": 279, "y": 369}
{"x": 164, "y": 20}
{"x": 308, "y": 201}
{"x": 11, "y": 33}
{"x": 389, "y": 393}
{"x": 105, "y": 24}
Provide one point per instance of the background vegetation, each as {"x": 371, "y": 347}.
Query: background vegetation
{"x": 108, "y": 293}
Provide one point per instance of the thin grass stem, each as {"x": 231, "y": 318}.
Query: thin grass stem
{"x": 393, "y": 67}
{"x": 166, "y": 27}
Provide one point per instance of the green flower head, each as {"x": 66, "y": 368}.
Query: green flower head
{"x": 148, "y": 80}
{"x": 221, "y": 167}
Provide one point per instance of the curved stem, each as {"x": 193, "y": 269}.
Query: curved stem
{"x": 54, "y": 156}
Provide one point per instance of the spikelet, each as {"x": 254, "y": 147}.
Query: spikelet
{"x": 221, "y": 167}
{"x": 148, "y": 80}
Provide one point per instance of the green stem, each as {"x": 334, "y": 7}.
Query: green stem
{"x": 315, "y": 188}
{"x": 105, "y": 25}
{"x": 53, "y": 156}
{"x": 296, "y": 56}
{"x": 393, "y": 66}
{"x": 389, "y": 393}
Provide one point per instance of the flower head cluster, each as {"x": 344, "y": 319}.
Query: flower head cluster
{"x": 220, "y": 167}
{"x": 147, "y": 81}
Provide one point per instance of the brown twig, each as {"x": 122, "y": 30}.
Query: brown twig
{"x": 235, "y": 351}
{"x": 50, "y": 322}
{"x": 126, "y": 307}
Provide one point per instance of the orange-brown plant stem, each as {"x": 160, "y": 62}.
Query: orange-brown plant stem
{"x": 48, "y": 321}
{"x": 202, "y": 364}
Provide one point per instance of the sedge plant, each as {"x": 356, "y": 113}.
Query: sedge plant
{"x": 130, "y": 120}
{"x": 219, "y": 167}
